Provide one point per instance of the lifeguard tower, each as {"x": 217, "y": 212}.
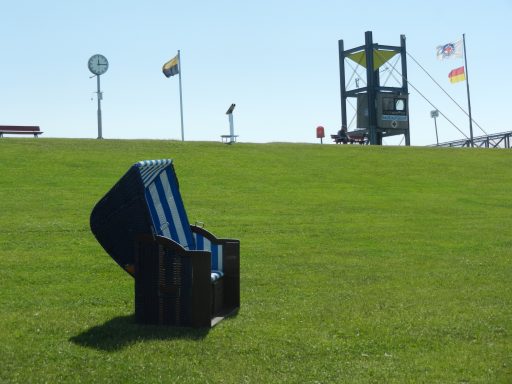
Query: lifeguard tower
{"x": 382, "y": 111}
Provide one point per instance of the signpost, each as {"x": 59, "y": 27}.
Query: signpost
{"x": 229, "y": 112}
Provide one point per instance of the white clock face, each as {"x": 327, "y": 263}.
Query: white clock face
{"x": 98, "y": 64}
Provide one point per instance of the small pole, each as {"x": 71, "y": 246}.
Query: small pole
{"x": 467, "y": 87}
{"x": 100, "y": 96}
{"x": 181, "y": 98}
{"x": 231, "y": 128}
{"x": 437, "y": 137}
{"x": 229, "y": 112}
{"x": 435, "y": 114}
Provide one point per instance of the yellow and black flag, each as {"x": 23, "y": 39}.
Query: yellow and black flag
{"x": 172, "y": 67}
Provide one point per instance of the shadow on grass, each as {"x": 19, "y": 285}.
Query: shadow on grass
{"x": 123, "y": 331}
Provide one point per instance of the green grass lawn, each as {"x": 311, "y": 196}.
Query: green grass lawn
{"x": 358, "y": 265}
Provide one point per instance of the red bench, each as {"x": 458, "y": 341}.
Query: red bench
{"x": 20, "y": 130}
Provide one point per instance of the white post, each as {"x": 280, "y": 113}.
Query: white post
{"x": 181, "y": 98}
{"x": 231, "y": 128}
{"x": 99, "y": 96}
{"x": 229, "y": 112}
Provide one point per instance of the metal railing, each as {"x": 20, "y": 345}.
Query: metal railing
{"x": 495, "y": 140}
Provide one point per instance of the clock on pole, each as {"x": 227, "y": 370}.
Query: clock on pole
{"x": 98, "y": 65}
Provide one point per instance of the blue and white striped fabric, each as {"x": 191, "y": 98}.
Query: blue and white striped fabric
{"x": 168, "y": 212}
{"x": 204, "y": 244}
{"x": 164, "y": 201}
{"x": 149, "y": 169}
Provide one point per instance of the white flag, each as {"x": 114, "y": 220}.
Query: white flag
{"x": 450, "y": 50}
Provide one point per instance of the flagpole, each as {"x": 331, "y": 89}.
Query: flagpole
{"x": 181, "y": 98}
{"x": 467, "y": 86}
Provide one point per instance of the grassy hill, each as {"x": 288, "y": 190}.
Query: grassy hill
{"x": 358, "y": 264}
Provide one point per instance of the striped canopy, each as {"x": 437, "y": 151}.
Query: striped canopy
{"x": 164, "y": 201}
{"x": 147, "y": 200}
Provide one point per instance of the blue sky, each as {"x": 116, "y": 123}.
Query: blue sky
{"x": 277, "y": 60}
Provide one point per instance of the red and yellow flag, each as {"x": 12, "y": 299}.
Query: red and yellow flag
{"x": 457, "y": 75}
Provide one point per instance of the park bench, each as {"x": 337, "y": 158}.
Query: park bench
{"x": 228, "y": 138}
{"x": 20, "y": 130}
{"x": 350, "y": 139}
{"x": 184, "y": 275}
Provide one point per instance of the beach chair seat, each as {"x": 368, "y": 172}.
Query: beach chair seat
{"x": 184, "y": 275}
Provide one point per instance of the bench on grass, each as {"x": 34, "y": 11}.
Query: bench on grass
{"x": 20, "y": 130}
{"x": 228, "y": 138}
{"x": 350, "y": 139}
{"x": 184, "y": 275}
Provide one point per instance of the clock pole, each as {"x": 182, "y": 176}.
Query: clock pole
{"x": 98, "y": 65}
{"x": 100, "y": 96}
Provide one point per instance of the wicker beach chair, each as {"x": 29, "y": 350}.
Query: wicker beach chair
{"x": 184, "y": 275}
